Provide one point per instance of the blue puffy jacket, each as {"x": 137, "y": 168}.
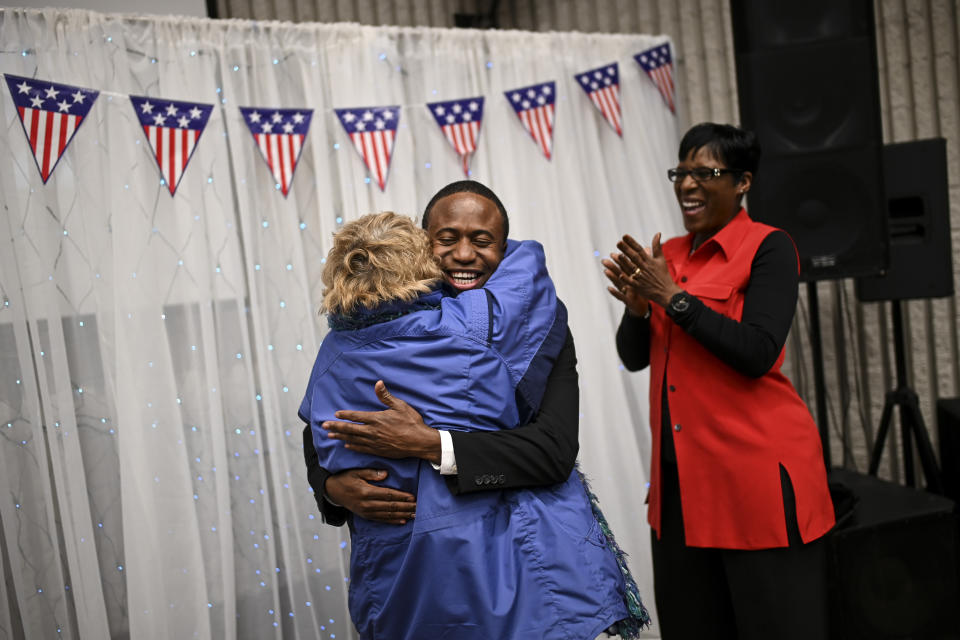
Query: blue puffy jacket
{"x": 492, "y": 565}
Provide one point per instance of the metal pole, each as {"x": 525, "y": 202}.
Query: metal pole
{"x": 900, "y": 357}
{"x": 820, "y": 387}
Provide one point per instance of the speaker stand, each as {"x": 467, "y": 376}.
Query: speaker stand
{"x": 819, "y": 386}
{"x": 911, "y": 420}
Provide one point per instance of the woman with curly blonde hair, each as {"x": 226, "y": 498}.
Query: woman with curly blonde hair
{"x": 376, "y": 259}
{"x": 497, "y": 564}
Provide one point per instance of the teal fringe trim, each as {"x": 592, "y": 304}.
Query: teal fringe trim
{"x": 639, "y": 618}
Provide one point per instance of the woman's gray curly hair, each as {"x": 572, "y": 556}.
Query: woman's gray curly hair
{"x": 378, "y": 258}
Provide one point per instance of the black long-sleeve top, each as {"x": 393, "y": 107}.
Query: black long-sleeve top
{"x": 540, "y": 453}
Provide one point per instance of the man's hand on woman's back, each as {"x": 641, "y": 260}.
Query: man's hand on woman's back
{"x": 354, "y": 490}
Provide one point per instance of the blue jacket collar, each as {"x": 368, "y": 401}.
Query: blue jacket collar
{"x": 361, "y": 317}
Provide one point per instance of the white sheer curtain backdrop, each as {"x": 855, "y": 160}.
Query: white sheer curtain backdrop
{"x": 154, "y": 350}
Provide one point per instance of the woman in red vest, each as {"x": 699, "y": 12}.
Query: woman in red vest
{"x": 738, "y": 500}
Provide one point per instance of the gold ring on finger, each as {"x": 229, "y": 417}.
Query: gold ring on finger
{"x": 637, "y": 272}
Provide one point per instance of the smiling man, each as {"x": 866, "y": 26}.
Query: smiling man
{"x": 469, "y": 234}
{"x": 468, "y": 228}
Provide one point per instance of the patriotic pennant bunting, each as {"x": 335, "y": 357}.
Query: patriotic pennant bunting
{"x": 279, "y": 134}
{"x": 50, "y": 114}
{"x": 535, "y": 106}
{"x": 173, "y": 129}
{"x": 372, "y": 131}
{"x": 460, "y": 122}
{"x": 602, "y": 86}
{"x": 658, "y": 63}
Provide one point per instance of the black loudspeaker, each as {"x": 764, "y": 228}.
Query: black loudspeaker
{"x": 893, "y": 563}
{"x": 807, "y": 85}
{"x": 918, "y": 209}
{"x": 948, "y": 434}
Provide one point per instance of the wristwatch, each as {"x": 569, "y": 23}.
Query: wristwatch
{"x": 680, "y": 302}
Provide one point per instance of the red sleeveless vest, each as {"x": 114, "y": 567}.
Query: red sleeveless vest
{"x": 734, "y": 431}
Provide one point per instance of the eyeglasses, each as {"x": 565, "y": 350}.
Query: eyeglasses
{"x": 700, "y": 174}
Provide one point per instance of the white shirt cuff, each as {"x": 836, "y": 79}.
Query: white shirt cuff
{"x": 448, "y": 461}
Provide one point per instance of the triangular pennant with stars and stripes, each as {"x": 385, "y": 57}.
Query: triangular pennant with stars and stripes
{"x": 460, "y": 122}
{"x": 173, "y": 129}
{"x": 602, "y": 86}
{"x": 279, "y": 134}
{"x": 373, "y": 131}
{"x": 658, "y": 64}
{"x": 535, "y": 108}
{"x": 50, "y": 114}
